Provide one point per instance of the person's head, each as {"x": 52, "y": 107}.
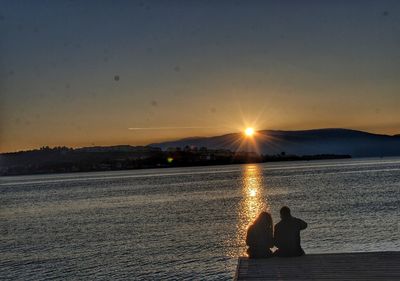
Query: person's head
{"x": 285, "y": 213}
{"x": 264, "y": 219}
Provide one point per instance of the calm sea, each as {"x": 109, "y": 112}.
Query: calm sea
{"x": 188, "y": 223}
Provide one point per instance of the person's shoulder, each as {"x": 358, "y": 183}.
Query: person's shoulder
{"x": 297, "y": 219}
{"x": 302, "y": 224}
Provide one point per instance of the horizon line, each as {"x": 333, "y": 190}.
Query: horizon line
{"x": 139, "y": 128}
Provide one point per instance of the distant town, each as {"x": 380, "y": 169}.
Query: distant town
{"x": 124, "y": 157}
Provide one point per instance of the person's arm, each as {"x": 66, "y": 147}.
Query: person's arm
{"x": 302, "y": 224}
{"x": 270, "y": 240}
{"x": 248, "y": 237}
{"x": 277, "y": 236}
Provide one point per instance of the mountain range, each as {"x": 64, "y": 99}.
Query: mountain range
{"x": 304, "y": 142}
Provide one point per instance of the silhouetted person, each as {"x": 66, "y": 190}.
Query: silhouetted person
{"x": 287, "y": 235}
{"x": 259, "y": 237}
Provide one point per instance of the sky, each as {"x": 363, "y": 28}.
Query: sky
{"x": 83, "y": 73}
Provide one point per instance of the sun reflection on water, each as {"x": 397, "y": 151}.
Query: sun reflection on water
{"x": 253, "y": 201}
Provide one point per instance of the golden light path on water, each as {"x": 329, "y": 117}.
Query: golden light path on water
{"x": 253, "y": 201}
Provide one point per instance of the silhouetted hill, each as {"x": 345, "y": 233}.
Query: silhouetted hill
{"x": 306, "y": 142}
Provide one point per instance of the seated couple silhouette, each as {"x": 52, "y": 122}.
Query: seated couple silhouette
{"x": 286, "y": 236}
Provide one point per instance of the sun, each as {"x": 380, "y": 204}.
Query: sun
{"x": 249, "y": 132}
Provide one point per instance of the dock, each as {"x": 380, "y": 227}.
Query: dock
{"x": 341, "y": 266}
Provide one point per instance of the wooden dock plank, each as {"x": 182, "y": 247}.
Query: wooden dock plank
{"x": 341, "y": 266}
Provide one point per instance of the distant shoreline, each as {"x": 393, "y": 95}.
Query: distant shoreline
{"x": 66, "y": 160}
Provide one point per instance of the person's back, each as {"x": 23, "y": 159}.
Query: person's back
{"x": 259, "y": 237}
{"x": 287, "y": 235}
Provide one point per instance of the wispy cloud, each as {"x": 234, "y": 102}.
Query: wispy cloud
{"x": 169, "y": 128}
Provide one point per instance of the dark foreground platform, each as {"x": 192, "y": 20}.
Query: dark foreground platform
{"x": 343, "y": 266}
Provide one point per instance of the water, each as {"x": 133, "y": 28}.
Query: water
{"x": 188, "y": 223}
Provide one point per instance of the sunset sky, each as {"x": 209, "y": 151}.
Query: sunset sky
{"x": 80, "y": 73}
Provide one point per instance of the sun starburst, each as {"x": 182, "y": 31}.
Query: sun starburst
{"x": 249, "y": 131}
